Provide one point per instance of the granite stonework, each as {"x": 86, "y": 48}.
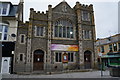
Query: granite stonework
{"x": 47, "y": 20}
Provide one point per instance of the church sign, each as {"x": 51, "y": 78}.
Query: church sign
{"x": 61, "y": 47}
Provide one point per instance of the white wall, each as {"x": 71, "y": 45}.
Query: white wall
{"x": 12, "y": 30}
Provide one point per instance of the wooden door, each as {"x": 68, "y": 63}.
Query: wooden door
{"x": 87, "y": 60}
{"x": 38, "y": 62}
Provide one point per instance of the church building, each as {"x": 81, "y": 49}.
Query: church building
{"x": 62, "y": 38}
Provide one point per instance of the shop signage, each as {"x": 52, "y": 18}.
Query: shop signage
{"x": 61, "y": 47}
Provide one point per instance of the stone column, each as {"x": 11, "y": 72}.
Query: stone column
{"x": 29, "y": 61}
{"x": 49, "y": 39}
{"x": 81, "y": 55}
{"x": 94, "y": 65}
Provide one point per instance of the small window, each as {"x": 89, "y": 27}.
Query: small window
{"x": 21, "y": 57}
{"x": 3, "y": 31}
{"x": 4, "y": 11}
{"x": 58, "y": 56}
{"x": 0, "y": 36}
{"x": 56, "y": 31}
{"x": 5, "y": 36}
{"x": 119, "y": 46}
{"x": 70, "y": 57}
{"x": 0, "y": 10}
{"x": 87, "y": 34}
{"x": 115, "y": 46}
{"x": 110, "y": 48}
{"x": 22, "y": 38}
{"x": 85, "y": 16}
{"x": 39, "y": 31}
{"x": 102, "y": 49}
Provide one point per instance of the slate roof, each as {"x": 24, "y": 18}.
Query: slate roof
{"x": 13, "y": 10}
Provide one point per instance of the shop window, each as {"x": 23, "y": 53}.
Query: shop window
{"x": 58, "y": 56}
{"x": 63, "y": 29}
{"x": 115, "y": 46}
{"x": 85, "y": 16}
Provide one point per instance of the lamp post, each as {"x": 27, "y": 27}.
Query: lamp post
{"x": 100, "y": 54}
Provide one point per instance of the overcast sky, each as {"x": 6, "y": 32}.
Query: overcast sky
{"x": 106, "y": 13}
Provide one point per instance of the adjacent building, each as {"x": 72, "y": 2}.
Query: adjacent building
{"x": 62, "y": 38}
{"x": 106, "y": 45}
{"x": 10, "y": 16}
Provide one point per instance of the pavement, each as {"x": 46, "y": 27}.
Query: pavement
{"x": 90, "y": 74}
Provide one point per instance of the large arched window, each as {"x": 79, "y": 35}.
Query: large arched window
{"x": 3, "y": 31}
{"x": 63, "y": 29}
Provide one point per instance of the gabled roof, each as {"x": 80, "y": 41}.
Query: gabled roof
{"x": 59, "y": 7}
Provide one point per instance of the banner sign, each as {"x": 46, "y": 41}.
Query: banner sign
{"x": 62, "y": 47}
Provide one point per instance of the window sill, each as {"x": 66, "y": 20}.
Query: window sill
{"x": 22, "y": 43}
{"x": 87, "y": 39}
{"x": 39, "y": 36}
{"x": 57, "y": 38}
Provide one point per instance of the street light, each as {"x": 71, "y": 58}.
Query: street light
{"x": 100, "y": 54}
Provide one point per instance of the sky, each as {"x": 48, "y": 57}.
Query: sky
{"x": 105, "y": 12}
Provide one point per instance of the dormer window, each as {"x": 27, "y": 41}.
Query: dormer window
{"x": 4, "y": 9}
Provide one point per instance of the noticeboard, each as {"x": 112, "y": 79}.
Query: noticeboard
{"x": 65, "y": 58}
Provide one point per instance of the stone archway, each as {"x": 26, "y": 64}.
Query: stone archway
{"x": 87, "y": 59}
{"x": 38, "y": 63}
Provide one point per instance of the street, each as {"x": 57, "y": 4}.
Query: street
{"x": 91, "y": 74}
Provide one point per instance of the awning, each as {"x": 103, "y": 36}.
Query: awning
{"x": 111, "y": 55}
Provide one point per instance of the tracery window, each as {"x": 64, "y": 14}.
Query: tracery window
{"x": 64, "y": 29}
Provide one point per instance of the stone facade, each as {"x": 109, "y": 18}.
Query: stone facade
{"x": 76, "y": 57}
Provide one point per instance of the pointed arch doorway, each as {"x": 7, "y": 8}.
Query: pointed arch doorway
{"x": 38, "y": 63}
{"x": 87, "y": 59}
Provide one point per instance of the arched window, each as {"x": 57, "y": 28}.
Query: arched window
{"x": 64, "y": 29}
{"x": 3, "y": 31}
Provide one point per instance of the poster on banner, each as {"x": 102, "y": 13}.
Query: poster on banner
{"x": 62, "y": 47}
